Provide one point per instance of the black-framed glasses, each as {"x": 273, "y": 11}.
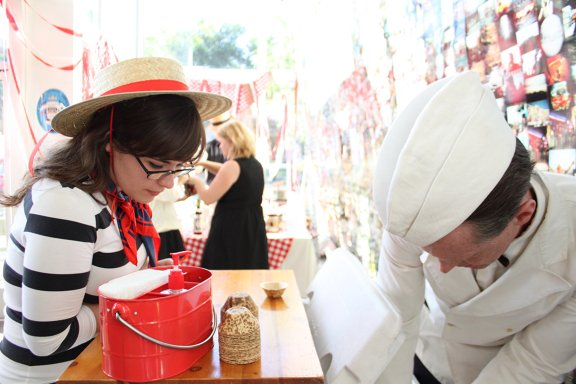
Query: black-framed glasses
{"x": 157, "y": 175}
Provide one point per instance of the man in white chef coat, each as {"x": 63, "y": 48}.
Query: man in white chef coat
{"x": 489, "y": 242}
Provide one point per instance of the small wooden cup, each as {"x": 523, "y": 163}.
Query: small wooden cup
{"x": 274, "y": 289}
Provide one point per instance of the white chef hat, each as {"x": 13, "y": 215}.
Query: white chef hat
{"x": 441, "y": 158}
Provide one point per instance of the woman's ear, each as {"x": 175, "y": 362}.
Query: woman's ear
{"x": 107, "y": 147}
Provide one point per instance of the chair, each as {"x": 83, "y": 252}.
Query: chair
{"x": 356, "y": 330}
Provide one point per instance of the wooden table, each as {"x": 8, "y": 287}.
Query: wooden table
{"x": 288, "y": 355}
{"x": 300, "y": 256}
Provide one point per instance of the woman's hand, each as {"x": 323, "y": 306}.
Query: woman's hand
{"x": 194, "y": 180}
{"x": 189, "y": 189}
{"x": 95, "y": 308}
{"x": 165, "y": 262}
{"x": 190, "y": 185}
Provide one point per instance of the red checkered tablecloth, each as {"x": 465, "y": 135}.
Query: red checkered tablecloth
{"x": 194, "y": 243}
{"x": 278, "y": 248}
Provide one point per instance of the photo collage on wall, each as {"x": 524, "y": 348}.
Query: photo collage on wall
{"x": 537, "y": 45}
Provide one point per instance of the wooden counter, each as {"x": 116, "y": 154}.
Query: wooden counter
{"x": 288, "y": 354}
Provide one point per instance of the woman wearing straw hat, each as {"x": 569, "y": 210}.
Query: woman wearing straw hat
{"x": 83, "y": 216}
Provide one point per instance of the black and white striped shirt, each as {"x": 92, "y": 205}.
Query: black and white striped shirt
{"x": 62, "y": 247}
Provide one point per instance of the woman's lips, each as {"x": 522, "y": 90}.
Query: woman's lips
{"x": 153, "y": 193}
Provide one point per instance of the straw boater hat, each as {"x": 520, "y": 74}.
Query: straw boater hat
{"x": 136, "y": 78}
{"x": 221, "y": 119}
{"x": 441, "y": 158}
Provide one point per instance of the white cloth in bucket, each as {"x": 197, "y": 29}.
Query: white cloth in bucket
{"x": 134, "y": 284}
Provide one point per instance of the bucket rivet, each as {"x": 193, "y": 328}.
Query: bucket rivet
{"x": 135, "y": 313}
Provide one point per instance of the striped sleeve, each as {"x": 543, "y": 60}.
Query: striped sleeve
{"x": 59, "y": 238}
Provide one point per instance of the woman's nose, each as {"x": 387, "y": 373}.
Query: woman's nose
{"x": 167, "y": 181}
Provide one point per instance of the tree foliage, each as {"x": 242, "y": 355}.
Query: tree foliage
{"x": 224, "y": 47}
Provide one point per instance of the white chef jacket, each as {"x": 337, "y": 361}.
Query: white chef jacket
{"x": 164, "y": 215}
{"x": 519, "y": 329}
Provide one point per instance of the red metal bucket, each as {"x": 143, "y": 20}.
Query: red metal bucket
{"x": 157, "y": 336}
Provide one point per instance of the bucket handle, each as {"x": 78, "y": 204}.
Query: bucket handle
{"x": 164, "y": 344}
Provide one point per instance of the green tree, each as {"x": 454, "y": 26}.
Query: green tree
{"x": 224, "y": 47}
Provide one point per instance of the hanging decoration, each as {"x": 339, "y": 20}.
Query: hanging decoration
{"x": 52, "y": 100}
{"x": 262, "y": 127}
{"x": 344, "y": 145}
{"x": 278, "y": 149}
{"x": 65, "y": 30}
{"x": 19, "y": 97}
{"x": 18, "y": 33}
{"x": 49, "y": 104}
{"x": 524, "y": 50}
{"x": 243, "y": 95}
{"x": 94, "y": 58}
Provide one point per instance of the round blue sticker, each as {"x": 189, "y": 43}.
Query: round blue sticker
{"x": 49, "y": 104}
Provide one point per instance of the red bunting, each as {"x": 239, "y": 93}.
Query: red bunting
{"x": 242, "y": 95}
{"x": 62, "y": 29}
{"x": 19, "y": 97}
{"x": 19, "y": 35}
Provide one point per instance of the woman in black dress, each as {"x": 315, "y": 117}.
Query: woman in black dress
{"x": 237, "y": 237}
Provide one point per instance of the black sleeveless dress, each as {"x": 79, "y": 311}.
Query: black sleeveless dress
{"x": 237, "y": 237}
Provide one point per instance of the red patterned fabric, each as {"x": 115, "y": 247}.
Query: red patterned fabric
{"x": 242, "y": 95}
{"x": 134, "y": 219}
{"x": 195, "y": 244}
{"x": 277, "y": 250}
{"x": 95, "y": 58}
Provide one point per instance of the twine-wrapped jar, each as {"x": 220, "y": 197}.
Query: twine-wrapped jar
{"x": 239, "y": 299}
{"x": 239, "y": 336}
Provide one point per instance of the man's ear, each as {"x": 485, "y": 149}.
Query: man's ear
{"x": 526, "y": 211}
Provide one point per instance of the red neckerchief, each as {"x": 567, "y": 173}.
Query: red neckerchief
{"x": 134, "y": 219}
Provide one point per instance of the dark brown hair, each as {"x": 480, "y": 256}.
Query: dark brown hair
{"x": 165, "y": 127}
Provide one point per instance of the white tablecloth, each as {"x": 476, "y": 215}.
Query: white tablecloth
{"x": 301, "y": 258}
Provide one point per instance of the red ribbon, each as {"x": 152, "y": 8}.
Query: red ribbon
{"x": 62, "y": 29}
{"x": 21, "y": 101}
{"x": 20, "y": 37}
{"x": 36, "y": 150}
{"x": 148, "y": 85}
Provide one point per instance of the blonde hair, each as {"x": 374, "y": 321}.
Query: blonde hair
{"x": 240, "y": 137}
